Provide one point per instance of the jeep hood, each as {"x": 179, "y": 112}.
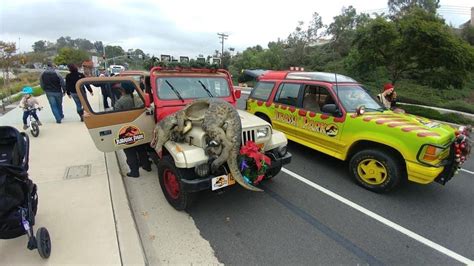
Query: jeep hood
{"x": 433, "y": 131}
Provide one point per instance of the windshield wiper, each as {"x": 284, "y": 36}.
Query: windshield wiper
{"x": 204, "y": 87}
{"x": 376, "y": 109}
{"x": 175, "y": 91}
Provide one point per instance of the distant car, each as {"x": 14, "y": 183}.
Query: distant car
{"x": 335, "y": 115}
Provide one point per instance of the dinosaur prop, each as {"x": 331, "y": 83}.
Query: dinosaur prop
{"x": 220, "y": 121}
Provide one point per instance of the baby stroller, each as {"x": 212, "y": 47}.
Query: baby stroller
{"x": 18, "y": 198}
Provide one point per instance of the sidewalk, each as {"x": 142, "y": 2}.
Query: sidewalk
{"x": 82, "y": 199}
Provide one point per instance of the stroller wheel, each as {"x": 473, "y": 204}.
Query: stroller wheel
{"x": 44, "y": 242}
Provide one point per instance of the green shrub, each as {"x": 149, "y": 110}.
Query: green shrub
{"x": 436, "y": 115}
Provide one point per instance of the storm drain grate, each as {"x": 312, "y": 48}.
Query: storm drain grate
{"x": 78, "y": 171}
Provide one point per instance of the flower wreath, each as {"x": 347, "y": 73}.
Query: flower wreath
{"x": 462, "y": 145}
{"x": 253, "y": 163}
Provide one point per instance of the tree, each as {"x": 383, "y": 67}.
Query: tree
{"x": 99, "y": 47}
{"x": 69, "y": 55}
{"x": 468, "y": 34}
{"x": 7, "y": 58}
{"x": 399, "y": 8}
{"x": 418, "y": 45}
{"x": 343, "y": 29}
{"x": 113, "y": 51}
{"x": 39, "y": 46}
{"x": 299, "y": 41}
{"x": 64, "y": 42}
{"x": 83, "y": 44}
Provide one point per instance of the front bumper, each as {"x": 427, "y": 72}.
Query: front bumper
{"x": 423, "y": 174}
{"x": 204, "y": 183}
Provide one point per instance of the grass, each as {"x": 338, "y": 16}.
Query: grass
{"x": 436, "y": 115}
{"x": 410, "y": 92}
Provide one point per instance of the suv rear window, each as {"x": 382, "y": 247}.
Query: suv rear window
{"x": 262, "y": 90}
{"x": 288, "y": 94}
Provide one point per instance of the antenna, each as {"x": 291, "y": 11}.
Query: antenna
{"x": 337, "y": 87}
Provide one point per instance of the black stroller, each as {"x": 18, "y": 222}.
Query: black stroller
{"x": 18, "y": 198}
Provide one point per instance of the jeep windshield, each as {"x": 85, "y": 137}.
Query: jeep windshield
{"x": 177, "y": 88}
{"x": 353, "y": 97}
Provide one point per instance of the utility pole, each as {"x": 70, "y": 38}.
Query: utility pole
{"x": 223, "y": 37}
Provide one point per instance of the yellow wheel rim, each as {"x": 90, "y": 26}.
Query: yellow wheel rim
{"x": 372, "y": 171}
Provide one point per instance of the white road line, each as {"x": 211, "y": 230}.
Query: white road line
{"x": 383, "y": 220}
{"x": 467, "y": 171}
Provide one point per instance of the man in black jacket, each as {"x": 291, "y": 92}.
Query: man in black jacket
{"x": 54, "y": 86}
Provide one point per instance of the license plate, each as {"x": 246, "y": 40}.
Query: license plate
{"x": 222, "y": 181}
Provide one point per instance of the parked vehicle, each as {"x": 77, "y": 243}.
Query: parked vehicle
{"x": 116, "y": 69}
{"x": 335, "y": 115}
{"x": 182, "y": 164}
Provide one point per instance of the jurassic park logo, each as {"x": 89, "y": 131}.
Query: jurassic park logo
{"x": 128, "y": 135}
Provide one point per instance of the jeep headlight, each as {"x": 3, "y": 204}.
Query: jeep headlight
{"x": 262, "y": 132}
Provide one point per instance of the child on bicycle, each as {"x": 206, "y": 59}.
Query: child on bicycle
{"x": 29, "y": 103}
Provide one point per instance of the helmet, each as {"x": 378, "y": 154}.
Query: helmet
{"x": 27, "y": 90}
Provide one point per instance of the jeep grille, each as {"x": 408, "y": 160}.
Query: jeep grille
{"x": 248, "y": 135}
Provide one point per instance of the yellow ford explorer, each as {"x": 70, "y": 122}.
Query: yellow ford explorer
{"x": 335, "y": 115}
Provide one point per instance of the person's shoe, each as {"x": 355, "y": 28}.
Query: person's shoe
{"x": 82, "y": 118}
{"x": 58, "y": 122}
{"x": 135, "y": 175}
{"x": 39, "y": 123}
{"x": 25, "y": 126}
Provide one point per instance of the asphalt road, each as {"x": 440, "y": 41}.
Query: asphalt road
{"x": 294, "y": 223}
{"x": 325, "y": 220}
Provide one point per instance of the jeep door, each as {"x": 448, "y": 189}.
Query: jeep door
{"x": 318, "y": 129}
{"x": 118, "y": 114}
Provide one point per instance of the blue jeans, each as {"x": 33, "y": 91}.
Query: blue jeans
{"x": 55, "y": 100}
{"x": 79, "y": 108}
{"x": 27, "y": 113}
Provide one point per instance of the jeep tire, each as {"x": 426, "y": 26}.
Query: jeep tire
{"x": 375, "y": 170}
{"x": 170, "y": 181}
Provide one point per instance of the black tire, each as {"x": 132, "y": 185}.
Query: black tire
{"x": 174, "y": 194}
{"x": 43, "y": 242}
{"x": 272, "y": 173}
{"x": 35, "y": 129}
{"x": 376, "y": 170}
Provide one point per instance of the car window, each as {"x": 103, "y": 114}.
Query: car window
{"x": 172, "y": 88}
{"x": 353, "y": 97}
{"x": 315, "y": 97}
{"x": 288, "y": 94}
{"x": 110, "y": 96}
{"x": 262, "y": 90}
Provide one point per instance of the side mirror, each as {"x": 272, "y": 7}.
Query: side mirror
{"x": 147, "y": 100}
{"x": 330, "y": 109}
{"x": 237, "y": 93}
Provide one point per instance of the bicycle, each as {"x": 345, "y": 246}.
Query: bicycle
{"x": 32, "y": 122}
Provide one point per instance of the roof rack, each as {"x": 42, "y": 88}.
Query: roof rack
{"x": 319, "y": 76}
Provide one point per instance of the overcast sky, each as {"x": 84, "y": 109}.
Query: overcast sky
{"x": 178, "y": 27}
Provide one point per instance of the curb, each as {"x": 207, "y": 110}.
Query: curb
{"x": 131, "y": 249}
